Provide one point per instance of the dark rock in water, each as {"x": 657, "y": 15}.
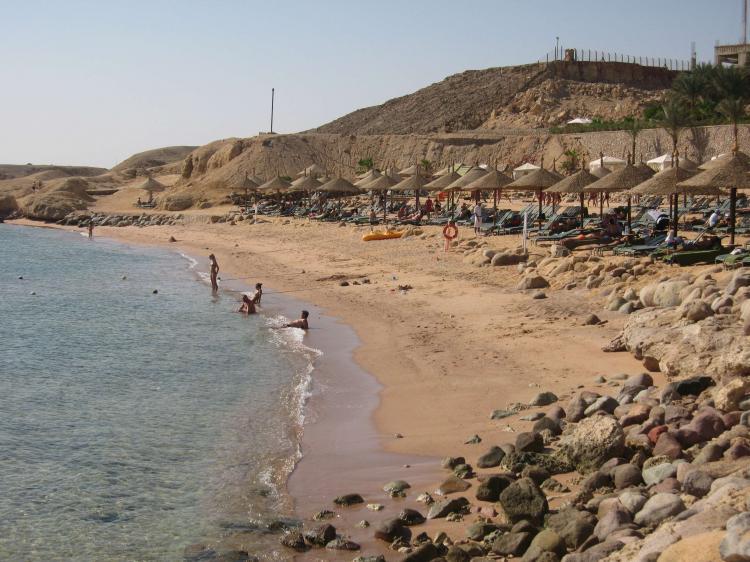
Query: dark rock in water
{"x": 549, "y": 424}
{"x": 454, "y": 484}
{"x": 489, "y": 490}
{"x": 692, "y": 386}
{"x": 443, "y": 508}
{"x": 294, "y": 540}
{"x": 529, "y": 441}
{"x": 524, "y": 500}
{"x": 512, "y": 544}
{"x": 235, "y": 556}
{"x": 463, "y": 471}
{"x": 491, "y": 458}
{"x": 349, "y": 499}
{"x": 198, "y": 553}
{"x": 378, "y": 558}
{"x": 320, "y": 535}
{"x": 396, "y": 486}
{"x": 450, "y": 463}
{"x": 392, "y": 529}
{"x": 323, "y": 515}
{"x": 424, "y": 553}
{"x": 342, "y": 544}
{"x": 411, "y": 517}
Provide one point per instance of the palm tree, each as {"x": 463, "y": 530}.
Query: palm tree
{"x": 633, "y": 127}
{"x": 675, "y": 119}
{"x": 426, "y": 166}
{"x": 734, "y": 110}
{"x": 691, "y": 86}
{"x": 366, "y": 164}
{"x": 731, "y": 82}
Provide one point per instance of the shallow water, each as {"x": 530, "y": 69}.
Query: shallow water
{"x": 133, "y": 424}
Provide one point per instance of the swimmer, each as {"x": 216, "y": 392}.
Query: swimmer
{"x": 258, "y": 293}
{"x": 301, "y": 323}
{"x": 214, "y": 273}
{"x": 247, "y": 306}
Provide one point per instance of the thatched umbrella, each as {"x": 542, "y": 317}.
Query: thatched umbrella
{"x": 371, "y": 175}
{"x": 304, "y": 184}
{"x": 538, "y": 180}
{"x": 619, "y": 180}
{"x": 575, "y": 184}
{"x": 247, "y": 185}
{"x": 413, "y": 183}
{"x": 732, "y": 172}
{"x": 600, "y": 171}
{"x": 152, "y": 186}
{"x": 412, "y": 170}
{"x": 715, "y": 161}
{"x": 313, "y": 170}
{"x": 276, "y": 185}
{"x": 442, "y": 182}
{"x": 339, "y": 187}
{"x": 491, "y": 181}
{"x": 382, "y": 185}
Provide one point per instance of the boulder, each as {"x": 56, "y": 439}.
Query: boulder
{"x": 543, "y": 399}
{"x": 605, "y": 404}
{"x": 592, "y": 442}
{"x": 491, "y": 458}
{"x": 655, "y": 474}
{"x": 697, "y": 483}
{"x": 546, "y": 541}
{"x": 411, "y": 517}
{"x": 512, "y": 544}
{"x": 294, "y": 540}
{"x": 658, "y": 508}
{"x": 735, "y": 547}
{"x": 341, "y": 543}
{"x": 444, "y": 507}
{"x": 320, "y": 535}
{"x": 728, "y": 397}
{"x": 632, "y": 501}
{"x": 390, "y": 530}
{"x": 349, "y": 499}
{"x": 397, "y": 486}
{"x": 424, "y": 553}
{"x": 697, "y": 310}
{"x": 614, "y": 519}
{"x": 626, "y": 475}
{"x": 529, "y": 441}
{"x": 490, "y": 488}
{"x": 454, "y": 484}
{"x": 532, "y": 282}
{"x": 523, "y": 499}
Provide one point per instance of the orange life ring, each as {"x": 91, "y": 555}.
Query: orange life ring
{"x": 450, "y": 231}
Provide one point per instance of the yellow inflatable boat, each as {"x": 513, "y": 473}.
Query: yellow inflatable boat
{"x": 382, "y": 235}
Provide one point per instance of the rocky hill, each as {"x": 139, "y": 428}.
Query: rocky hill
{"x": 527, "y": 96}
{"x": 153, "y": 158}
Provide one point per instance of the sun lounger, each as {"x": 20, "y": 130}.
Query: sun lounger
{"x": 692, "y": 257}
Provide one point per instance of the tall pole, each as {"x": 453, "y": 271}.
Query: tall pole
{"x": 272, "y": 96}
{"x": 744, "y": 22}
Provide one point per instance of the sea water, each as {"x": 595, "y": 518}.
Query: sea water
{"x": 138, "y": 413}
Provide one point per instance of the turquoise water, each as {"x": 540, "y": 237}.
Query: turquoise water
{"x": 133, "y": 424}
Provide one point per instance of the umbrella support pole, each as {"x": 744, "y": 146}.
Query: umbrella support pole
{"x": 540, "y": 210}
{"x": 582, "y": 212}
{"x": 675, "y": 210}
{"x": 732, "y": 214}
{"x": 630, "y": 206}
{"x": 494, "y": 207}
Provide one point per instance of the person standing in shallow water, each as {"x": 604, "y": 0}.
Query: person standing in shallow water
{"x": 214, "y": 273}
{"x": 91, "y": 230}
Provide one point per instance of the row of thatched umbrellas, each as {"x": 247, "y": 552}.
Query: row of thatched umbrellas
{"x": 730, "y": 173}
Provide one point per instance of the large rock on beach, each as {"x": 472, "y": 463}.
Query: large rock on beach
{"x": 524, "y": 500}
{"x": 8, "y": 206}
{"x": 444, "y": 507}
{"x": 532, "y": 282}
{"x": 735, "y": 547}
{"x": 491, "y": 458}
{"x": 658, "y": 508}
{"x": 592, "y": 442}
{"x": 320, "y": 535}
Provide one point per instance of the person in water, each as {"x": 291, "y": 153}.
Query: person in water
{"x": 301, "y": 323}
{"x": 214, "y": 273}
{"x": 247, "y": 306}
{"x": 258, "y": 293}
{"x": 91, "y": 230}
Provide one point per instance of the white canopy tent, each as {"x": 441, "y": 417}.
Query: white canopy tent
{"x": 609, "y": 162}
{"x": 580, "y": 121}
{"x": 664, "y": 162}
{"x": 524, "y": 169}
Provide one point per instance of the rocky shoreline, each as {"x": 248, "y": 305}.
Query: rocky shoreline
{"x": 645, "y": 474}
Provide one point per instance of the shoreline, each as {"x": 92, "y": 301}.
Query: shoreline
{"x": 347, "y": 443}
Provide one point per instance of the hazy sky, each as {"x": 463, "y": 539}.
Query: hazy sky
{"x": 91, "y": 82}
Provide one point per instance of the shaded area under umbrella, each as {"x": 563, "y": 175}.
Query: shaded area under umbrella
{"x": 575, "y": 184}
{"x": 730, "y": 172}
{"x": 491, "y": 181}
{"x": 620, "y": 180}
{"x": 538, "y": 180}
{"x": 382, "y": 185}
